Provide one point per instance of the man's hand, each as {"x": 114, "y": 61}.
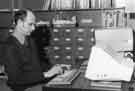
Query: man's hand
{"x": 57, "y": 69}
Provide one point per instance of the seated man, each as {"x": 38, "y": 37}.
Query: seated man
{"x": 20, "y": 56}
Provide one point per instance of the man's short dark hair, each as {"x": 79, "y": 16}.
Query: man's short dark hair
{"x": 20, "y": 14}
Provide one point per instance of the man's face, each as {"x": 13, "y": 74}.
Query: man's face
{"x": 28, "y": 25}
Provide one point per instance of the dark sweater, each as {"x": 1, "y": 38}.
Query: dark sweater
{"x": 21, "y": 62}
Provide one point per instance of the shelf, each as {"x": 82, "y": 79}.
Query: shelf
{"x": 90, "y": 9}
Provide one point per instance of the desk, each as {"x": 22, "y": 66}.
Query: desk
{"x": 83, "y": 84}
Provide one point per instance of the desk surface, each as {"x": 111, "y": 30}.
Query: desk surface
{"x": 81, "y": 83}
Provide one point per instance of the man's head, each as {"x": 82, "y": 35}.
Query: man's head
{"x": 24, "y": 21}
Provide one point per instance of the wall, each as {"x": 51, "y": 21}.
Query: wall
{"x": 5, "y": 4}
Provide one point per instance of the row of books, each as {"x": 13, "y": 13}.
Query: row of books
{"x": 77, "y": 4}
{"x": 113, "y": 18}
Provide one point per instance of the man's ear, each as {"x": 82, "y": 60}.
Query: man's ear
{"x": 19, "y": 22}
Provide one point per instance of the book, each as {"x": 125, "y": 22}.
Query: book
{"x": 121, "y": 20}
{"x": 46, "y": 4}
{"x": 55, "y": 4}
{"x": 108, "y": 84}
{"x": 97, "y": 4}
{"x": 84, "y": 4}
{"x": 92, "y": 3}
{"x": 66, "y": 4}
{"x": 66, "y": 78}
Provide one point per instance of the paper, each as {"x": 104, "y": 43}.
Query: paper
{"x": 120, "y": 39}
{"x": 103, "y": 65}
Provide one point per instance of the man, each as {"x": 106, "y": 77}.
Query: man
{"x": 20, "y": 56}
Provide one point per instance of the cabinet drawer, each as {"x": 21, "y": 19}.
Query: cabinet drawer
{"x": 90, "y": 18}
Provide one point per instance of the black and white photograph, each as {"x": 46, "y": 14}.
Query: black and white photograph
{"x": 67, "y": 45}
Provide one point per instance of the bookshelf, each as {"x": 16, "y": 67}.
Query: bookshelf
{"x": 72, "y": 23}
{"x": 72, "y": 29}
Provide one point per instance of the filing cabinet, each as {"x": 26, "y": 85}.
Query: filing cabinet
{"x": 70, "y": 45}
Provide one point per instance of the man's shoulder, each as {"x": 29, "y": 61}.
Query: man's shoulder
{"x": 9, "y": 42}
